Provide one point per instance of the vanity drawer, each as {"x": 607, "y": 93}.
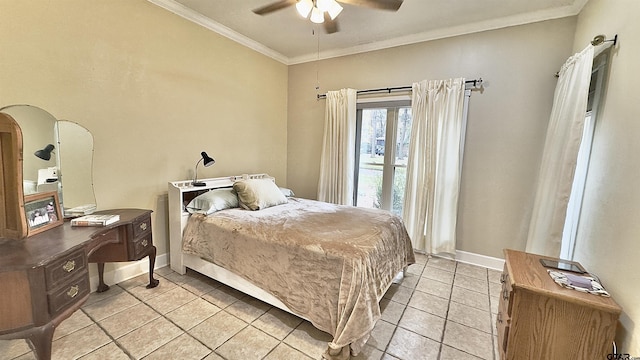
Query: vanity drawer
{"x": 65, "y": 267}
{"x": 142, "y": 225}
{"x": 141, "y": 244}
{"x": 69, "y": 293}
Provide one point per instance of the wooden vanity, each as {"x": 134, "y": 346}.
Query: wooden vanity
{"x": 45, "y": 278}
{"x": 44, "y": 274}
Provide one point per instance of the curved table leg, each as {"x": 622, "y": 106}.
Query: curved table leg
{"x": 152, "y": 263}
{"x": 40, "y": 341}
{"x": 102, "y": 287}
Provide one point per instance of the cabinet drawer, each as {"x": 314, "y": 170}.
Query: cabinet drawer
{"x": 74, "y": 290}
{"x": 64, "y": 268}
{"x": 141, "y": 244}
{"x": 141, "y": 226}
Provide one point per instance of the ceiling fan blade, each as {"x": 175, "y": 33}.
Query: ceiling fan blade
{"x": 330, "y": 26}
{"x": 274, "y": 7}
{"x": 393, "y": 5}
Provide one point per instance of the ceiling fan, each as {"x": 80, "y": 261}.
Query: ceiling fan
{"x": 325, "y": 11}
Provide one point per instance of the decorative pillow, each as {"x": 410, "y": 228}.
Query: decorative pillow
{"x": 287, "y": 192}
{"x": 256, "y": 194}
{"x": 212, "y": 201}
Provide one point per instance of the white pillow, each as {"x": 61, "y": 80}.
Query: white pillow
{"x": 257, "y": 194}
{"x": 212, "y": 201}
{"x": 287, "y": 192}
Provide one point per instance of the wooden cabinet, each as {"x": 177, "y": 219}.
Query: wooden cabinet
{"x": 539, "y": 319}
{"x": 45, "y": 278}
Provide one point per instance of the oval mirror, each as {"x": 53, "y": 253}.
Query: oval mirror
{"x": 57, "y": 156}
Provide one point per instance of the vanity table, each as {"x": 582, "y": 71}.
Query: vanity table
{"x": 44, "y": 275}
{"x": 44, "y": 278}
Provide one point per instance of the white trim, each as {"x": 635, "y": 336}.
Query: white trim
{"x": 493, "y": 24}
{"x": 477, "y": 259}
{"x": 378, "y": 98}
{"x": 126, "y": 272}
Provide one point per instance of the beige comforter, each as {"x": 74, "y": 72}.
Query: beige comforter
{"x": 328, "y": 263}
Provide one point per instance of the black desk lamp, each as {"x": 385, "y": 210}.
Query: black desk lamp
{"x": 45, "y": 154}
{"x": 208, "y": 161}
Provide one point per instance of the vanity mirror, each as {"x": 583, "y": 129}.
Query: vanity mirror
{"x": 57, "y": 156}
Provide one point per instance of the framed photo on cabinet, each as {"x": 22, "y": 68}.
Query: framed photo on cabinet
{"x": 42, "y": 211}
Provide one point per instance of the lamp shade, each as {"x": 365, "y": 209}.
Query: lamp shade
{"x": 45, "y": 154}
{"x": 304, "y": 7}
{"x": 334, "y": 10}
{"x": 317, "y": 16}
{"x": 207, "y": 160}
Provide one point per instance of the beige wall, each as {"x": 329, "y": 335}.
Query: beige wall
{"x": 608, "y": 242}
{"x": 154, "y": 89}
{"x": 507, "y": 121}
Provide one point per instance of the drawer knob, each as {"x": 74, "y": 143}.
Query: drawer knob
{"x": 500, "y": 317}
{"x": 69, "y": 266}
{"x": 143, "y": 226}
{"x": 503, "y": 278}
{"x": 73, "y": 291}
{"x": 505, "y": 294}
{"x": 144, "y": 242}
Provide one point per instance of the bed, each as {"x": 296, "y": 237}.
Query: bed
{"x": 329, "y": 264}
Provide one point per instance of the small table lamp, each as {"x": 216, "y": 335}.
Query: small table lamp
{"x": 208, "y": 161}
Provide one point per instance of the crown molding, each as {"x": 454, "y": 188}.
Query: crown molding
{"x": 216, "y": 27}
{"x": 443, "y": 33}
{"x": 481, "y": 26}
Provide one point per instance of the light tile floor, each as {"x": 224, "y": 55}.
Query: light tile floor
{"x": 440, "y": 310}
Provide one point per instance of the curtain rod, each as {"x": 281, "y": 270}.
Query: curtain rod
{"x": 474, "y": 83}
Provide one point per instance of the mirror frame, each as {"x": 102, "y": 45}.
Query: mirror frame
{"x": 12, "y": 217}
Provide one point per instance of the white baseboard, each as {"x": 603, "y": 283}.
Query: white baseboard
{"x": 480, "y": 260}
{"x": 128, "y": 271}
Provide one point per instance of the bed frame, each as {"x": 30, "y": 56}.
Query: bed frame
{"x": 180, "y": 193}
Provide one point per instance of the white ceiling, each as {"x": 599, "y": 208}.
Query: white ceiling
{"x": 287, "y": 37}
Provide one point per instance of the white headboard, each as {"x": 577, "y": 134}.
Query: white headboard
{"x": 180, "y": 194}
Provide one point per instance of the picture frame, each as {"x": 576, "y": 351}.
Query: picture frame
{"x": 42, "y": 212}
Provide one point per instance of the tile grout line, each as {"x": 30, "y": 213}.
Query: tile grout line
{"x": 397, "y": 325}
{"x": 446, "y": 318}
{"x": 106, "y": 332}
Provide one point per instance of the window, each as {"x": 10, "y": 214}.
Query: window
{"x": 574, "y": 206}
{"x": 383, "y": 131}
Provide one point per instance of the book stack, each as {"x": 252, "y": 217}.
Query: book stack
{"x": 95, "y": 220}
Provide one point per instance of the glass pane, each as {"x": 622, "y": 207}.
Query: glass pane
{"x": 399, "y": 183}
{"x": 374, "y": 125}
{"x": 403, "y": 135}
{"x": 369, "y": 186}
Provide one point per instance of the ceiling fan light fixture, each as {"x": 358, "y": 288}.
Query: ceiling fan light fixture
{"x": 304, "y": 7}
{"x": 317, "y": 16}
{"x": 334, "y": 10}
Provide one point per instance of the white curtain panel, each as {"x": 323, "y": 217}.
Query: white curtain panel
{"x": 337, "y": 164}
{"x": 433, "y": 168}
{"x": 560, "y": 153}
